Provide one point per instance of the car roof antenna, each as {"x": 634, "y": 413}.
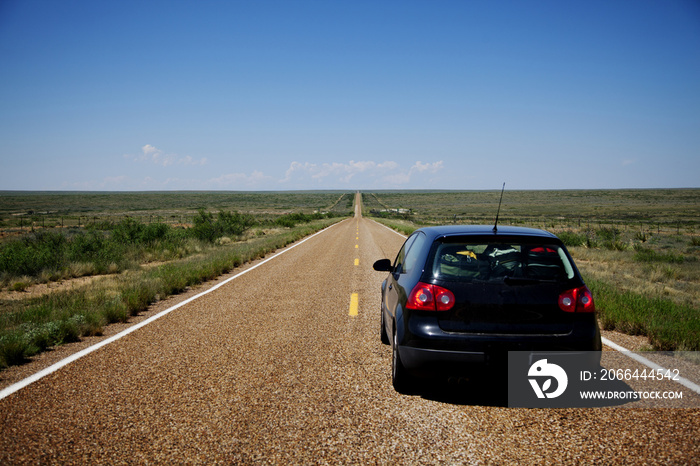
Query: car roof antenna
{"x": 495, "y": 225}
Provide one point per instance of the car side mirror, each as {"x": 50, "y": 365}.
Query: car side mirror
{"x": 383, "y": 265}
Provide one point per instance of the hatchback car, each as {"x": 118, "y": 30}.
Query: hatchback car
{"x": 458, "y": 298}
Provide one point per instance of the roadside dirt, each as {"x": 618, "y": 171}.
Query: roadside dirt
{"x": 41, "y": 289}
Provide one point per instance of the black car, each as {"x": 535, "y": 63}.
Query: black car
{"x": 458, "y": 298}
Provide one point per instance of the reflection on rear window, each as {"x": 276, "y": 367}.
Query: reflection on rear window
{"x": 466, "y": 261}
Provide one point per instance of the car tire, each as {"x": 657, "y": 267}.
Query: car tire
{"x": 400, "y": 378}
{"x": 384, "y": 335}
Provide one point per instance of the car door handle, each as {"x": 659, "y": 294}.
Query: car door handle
{"x": 391, "y": 286}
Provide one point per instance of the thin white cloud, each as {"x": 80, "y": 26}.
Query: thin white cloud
{"x": 388, "y": 173}
{"x": 403, "y": 177}
{"x": 429, "y": 167}
{"x": 239, "y": 180}
{"x": 156, "y": 156}
{"x": 111, "y": 182}
{"x": 353, "y": 174}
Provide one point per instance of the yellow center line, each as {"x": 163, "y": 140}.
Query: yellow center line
{"x": 353, "y": 304}
{"x": 357, "y": 246}
{"x": 357, "y": 261}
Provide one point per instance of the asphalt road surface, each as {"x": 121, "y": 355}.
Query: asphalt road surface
{"x": 284, "y": 365}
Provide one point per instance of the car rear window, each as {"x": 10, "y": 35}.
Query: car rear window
{"x": 494, "y": 261}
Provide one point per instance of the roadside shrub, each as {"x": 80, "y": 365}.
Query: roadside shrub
{"x": 570, "y": 238}
{"x": 285, "y": 221}
{"x": 641, "y": 236}
{"x": 154, "y": 232}
{"x": 138, "y": 296}
{"x": 610, "y": 237}
{"x": 33, "y": 338}
{"x": 33, "y": 253}
{"x": 67, "y": 330}
{"x": 608, "y": 234}
{"x": 41, "y": 336}
{"x": 208, "y": 228}
{"x": 291, "y": 220}
{"x": 95, "y": 248}
{"x": 81, "y": 269}
{"x": 234, "y": 223}
{"x": 115, "y": 311}
{"x": 615, "y": 245}
{"x": 13, "y": 349}
{"x": 20, "y": 285}
{"x": 129, "y": 231}
{"x": 392, "y": 214}
{"x": 49, "y": 255}
{"x": 205, "y": 227}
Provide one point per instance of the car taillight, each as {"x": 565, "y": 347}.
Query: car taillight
{"x": 577, "y": 300}
{"x": 427, "y": 297}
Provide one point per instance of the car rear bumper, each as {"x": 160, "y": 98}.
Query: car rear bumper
{"x": 432, "y": 351}
{"x": 428, "y": 362}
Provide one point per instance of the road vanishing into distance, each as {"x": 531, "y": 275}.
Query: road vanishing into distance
{"x": 283, "y": 364}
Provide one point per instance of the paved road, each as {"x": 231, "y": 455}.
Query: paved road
{"x": 274, "y": 368}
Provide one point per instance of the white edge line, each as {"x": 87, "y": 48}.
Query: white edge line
{"x": 7, "y": 391}
{"x": 651, "y": 364}
{"x": 681, "y": 380}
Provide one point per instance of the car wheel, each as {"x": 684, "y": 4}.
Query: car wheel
{"x": 399, "y": 377}
{"x": 384, "y": 336}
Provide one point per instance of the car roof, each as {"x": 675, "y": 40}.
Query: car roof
{"x": 484, "y": 230}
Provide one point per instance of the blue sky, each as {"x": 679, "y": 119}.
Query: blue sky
{"x": 282, "y": 95}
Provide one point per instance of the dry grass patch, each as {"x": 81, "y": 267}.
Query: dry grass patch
{"x": 678, "y": 282}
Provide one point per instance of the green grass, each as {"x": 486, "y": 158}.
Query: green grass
{"x": 649, "y": 255}
{"x": 669, "y": 326}
{"x": 402, "y": 226}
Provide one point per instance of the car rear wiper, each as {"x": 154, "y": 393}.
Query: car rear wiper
{"x": 524, "y": 281}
